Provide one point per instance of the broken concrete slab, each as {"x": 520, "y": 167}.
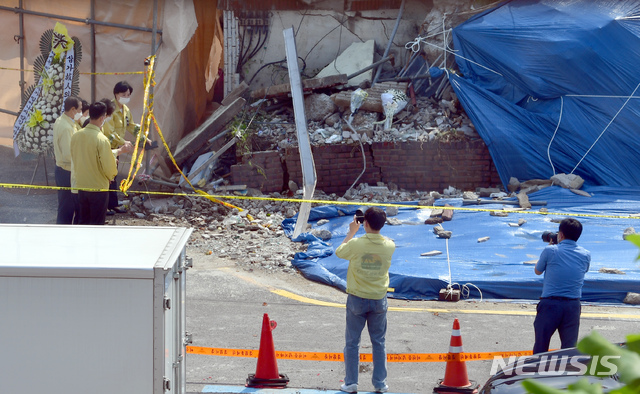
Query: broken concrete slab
{"x": 568, "y": 181}
{"x": 487, "y": 191}
{"x": 441, "y": 232}
{"x": 318, "y": 107}
{"x": 432, "y": 253}
{"x": 514, "y": 184}
{"x": 447, "y": 214}
{"x": 523, "y": 200}
{"x": 632, "y": 299}
{"x": 615, "y": 271}
{"x": 308, "y": 85}
{"x": 198, "y": 138}
{"x": 434, "y": 220}
{"x": 353, "y": 59}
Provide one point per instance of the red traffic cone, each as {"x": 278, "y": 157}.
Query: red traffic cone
{"x": 267, "y": 370}
{"x": 455, "y": 375}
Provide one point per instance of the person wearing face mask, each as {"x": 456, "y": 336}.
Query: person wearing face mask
{"x": 63, "y": 128}
{"x": 84, "y": 118}
{"x": 93, "y": 166}
{"x": 122, "y": 120}
{"x": 116, "y": 142}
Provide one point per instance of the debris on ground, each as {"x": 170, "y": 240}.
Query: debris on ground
{"x": 225, "y": 232}
{"x": 611, "y": 271}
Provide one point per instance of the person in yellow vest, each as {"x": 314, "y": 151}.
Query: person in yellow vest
{"x": 116, "y": 129}
{"x": 63, "y": 128}
{"x": 94, "y": 166}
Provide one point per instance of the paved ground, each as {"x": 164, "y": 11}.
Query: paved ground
{"x": 225, "y": 305}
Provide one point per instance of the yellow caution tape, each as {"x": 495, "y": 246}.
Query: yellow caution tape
{"x": 147, "y": 104}
{"x": 218, "y": 198}
{"x": 145, "y": 123}
{"x": 364, "y": 357}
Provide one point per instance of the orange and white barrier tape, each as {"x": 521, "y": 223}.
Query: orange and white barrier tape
{"x": 364, "y": 357}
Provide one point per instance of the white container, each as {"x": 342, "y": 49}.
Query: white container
{"x": 92, "y": 309}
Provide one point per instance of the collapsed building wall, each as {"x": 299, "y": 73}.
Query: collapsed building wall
{"x": 434, "y": 165}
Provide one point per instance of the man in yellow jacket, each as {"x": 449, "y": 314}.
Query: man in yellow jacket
{"x": 93, "y": 166}
{"x": 63, "y": 129}
{"x": 367, "y": 282}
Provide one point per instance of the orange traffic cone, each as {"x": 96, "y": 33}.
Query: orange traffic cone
{"x": 455, "y": 375}
{"x": 267, "y": 370}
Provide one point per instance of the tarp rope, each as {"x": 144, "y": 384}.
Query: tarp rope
{"x": 464, "y": 289}
{"x": 605, "y": 129}
{"x": 554, "y": 135}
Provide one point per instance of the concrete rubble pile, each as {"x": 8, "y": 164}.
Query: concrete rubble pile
{"x": 252, "y": 235}
{"x": 428, "y": 120}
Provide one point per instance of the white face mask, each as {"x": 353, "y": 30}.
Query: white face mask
{"x": 83, "y": 119}
{"x": 124, "y": 100}
{"x": 77, "y": 116}
{"x": 105, "y": 121}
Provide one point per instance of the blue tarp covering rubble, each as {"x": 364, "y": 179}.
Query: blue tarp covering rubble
{"x": 551, "y": 87}
{"x": 502, "y": 266}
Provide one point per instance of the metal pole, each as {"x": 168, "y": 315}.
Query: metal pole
{"x": 147, "y": 170}
{"x": 393, "y": 34}
{"x": 88, "y": 21}
{"x": 155, "y": 27}
{"x": 21, "y": 28}
{"x": 93, "y": 53}
{"x": 6, "y": 111}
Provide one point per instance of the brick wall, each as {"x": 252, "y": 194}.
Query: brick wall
{"x": 410, "y": 165}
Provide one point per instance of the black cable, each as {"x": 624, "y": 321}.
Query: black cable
{"x": 243, "y": 53}
{"x": 257, "y": 47}
{"x": 265, "y": 65}
{"x": 265, "y": 30}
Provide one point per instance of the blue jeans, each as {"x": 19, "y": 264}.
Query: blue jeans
{"x": 374, "y": 314}
{"x": 553, "y": 315}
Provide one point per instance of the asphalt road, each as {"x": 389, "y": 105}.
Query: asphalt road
{"x": 225, "y": 305}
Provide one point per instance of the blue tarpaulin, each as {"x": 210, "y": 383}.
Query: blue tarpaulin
{"x": 553, "y": 87}
{"x": 502, "y": 267}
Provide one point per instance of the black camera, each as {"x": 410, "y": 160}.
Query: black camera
{"x": 550, "y": 236}
{"x": 360, "y": 215}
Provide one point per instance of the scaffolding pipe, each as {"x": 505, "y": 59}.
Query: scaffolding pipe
{"x": 93, "y": 53}
{"x": 88, "y": 21}
{"x": 21, "y": 32}
{"x": 6, "y": 111}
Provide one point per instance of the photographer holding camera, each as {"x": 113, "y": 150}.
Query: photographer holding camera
{"x": 367, "y": 282}
{"x": 564, "y": 264}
